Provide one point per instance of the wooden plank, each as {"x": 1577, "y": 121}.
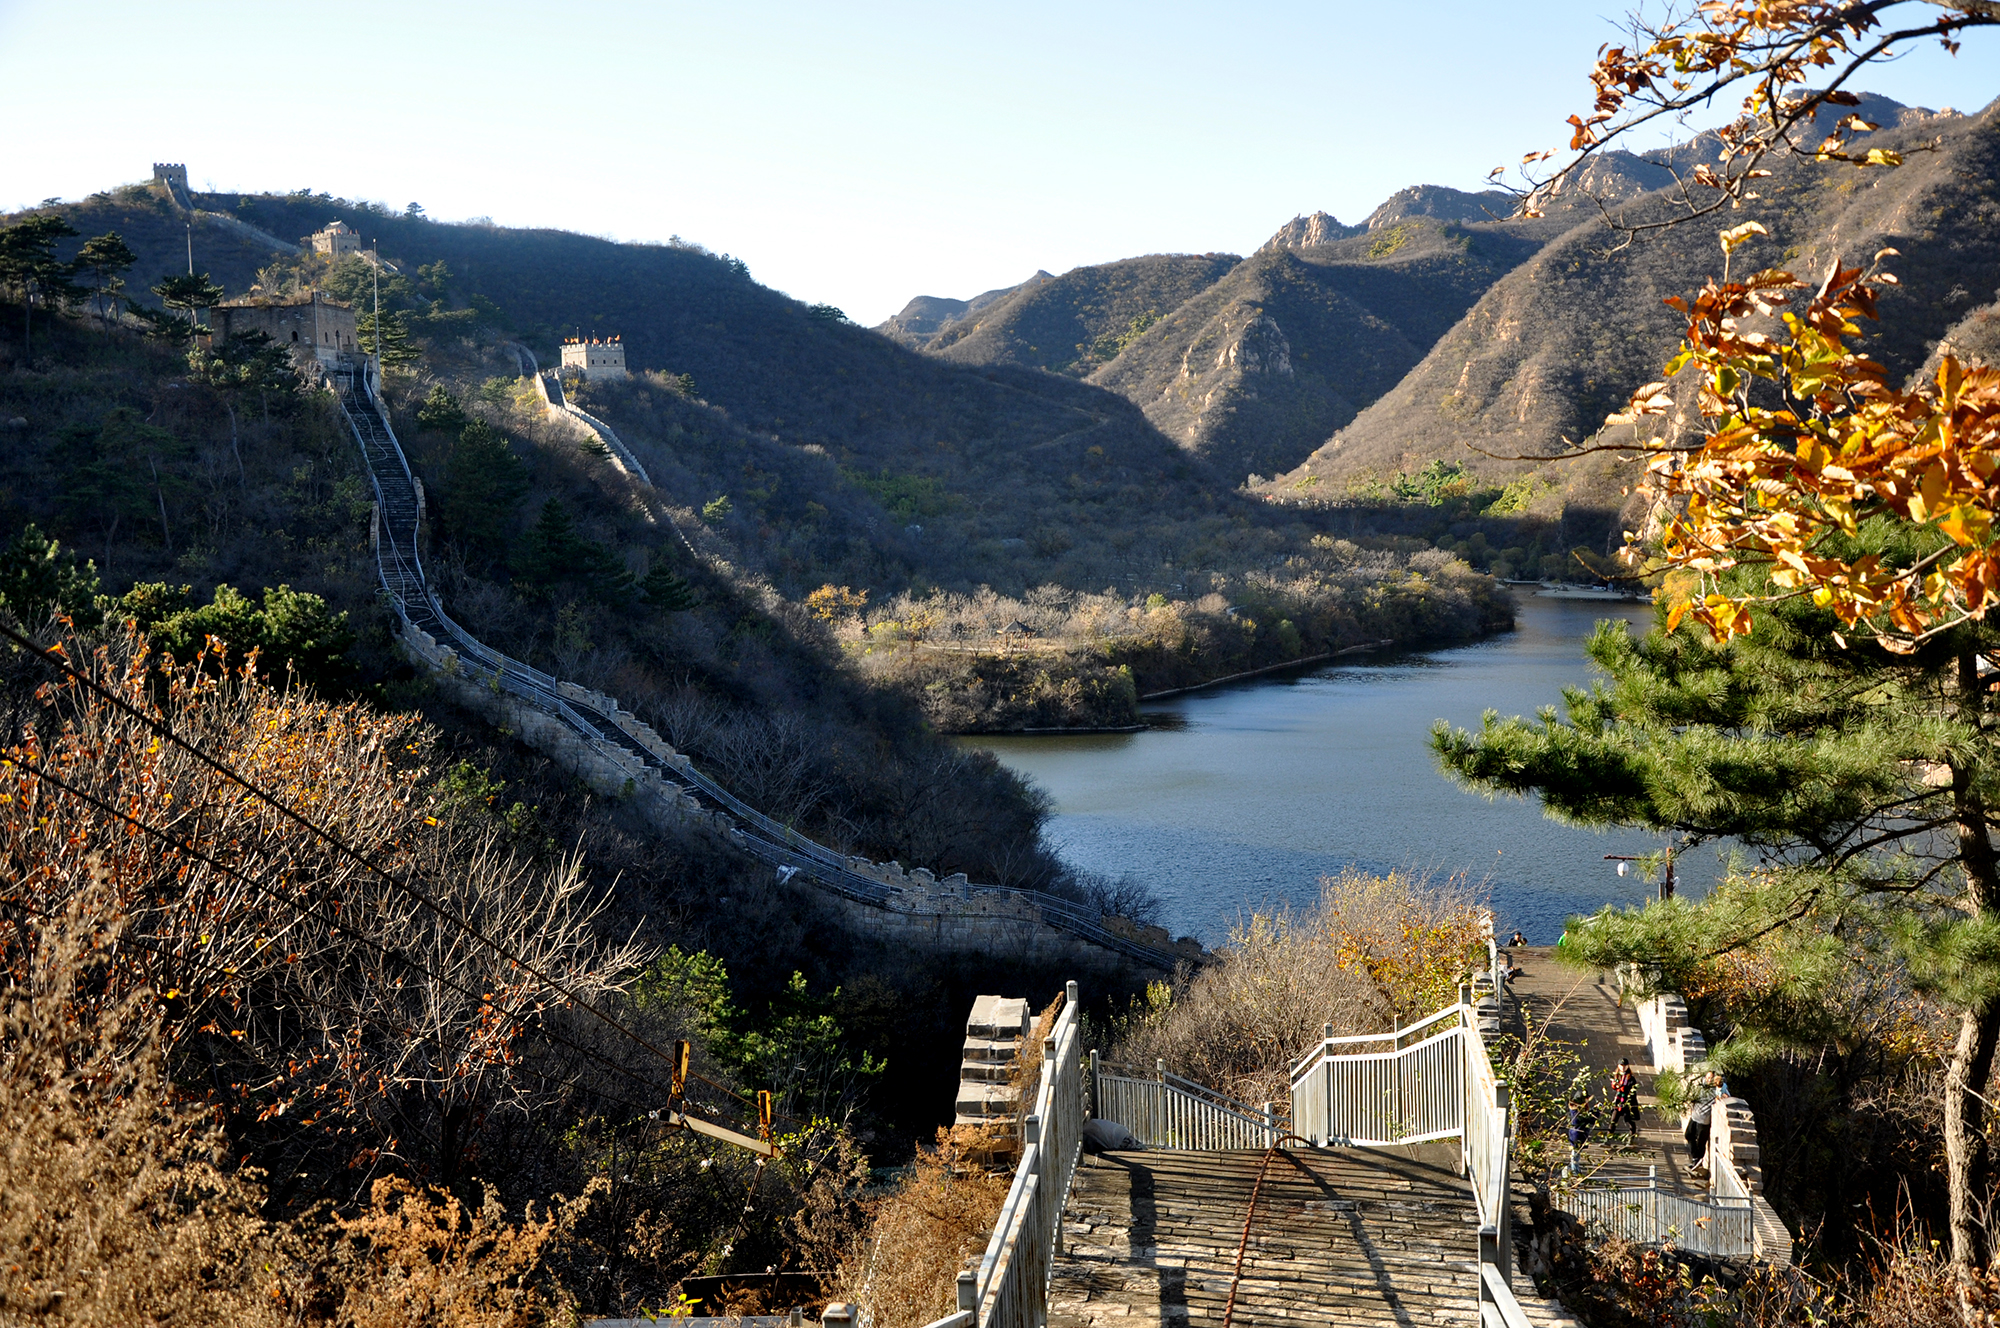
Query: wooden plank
{"x": 700, "y": 1126}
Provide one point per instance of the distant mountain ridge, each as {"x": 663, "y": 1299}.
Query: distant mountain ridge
{"x": 1560, "y": 342}
{"x": 1333, "y": 329}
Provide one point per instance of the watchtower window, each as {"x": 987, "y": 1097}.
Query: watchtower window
{"x": 295, "y": 334}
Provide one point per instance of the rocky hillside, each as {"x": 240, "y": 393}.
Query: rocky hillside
{"x": 1296, "y": 340}
{"x": 926, "y": 316}
{"x": 1363, "y": 333}
{"x": 1560, "y": 341}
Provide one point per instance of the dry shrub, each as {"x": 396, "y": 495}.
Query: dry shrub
{"x": 421, "y": 1256}
{"x": 314, "y": 990}
{"x": 120, "y": 1207}
{"x": 116, "y": 1207}
{"x": 1375, "y": 953}
{"x": 904, "y": 1271}
{"x": 1909, "y": 1283}
{"x": 1024, "y": 1076}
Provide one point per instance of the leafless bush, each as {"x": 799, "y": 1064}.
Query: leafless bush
{"x": 904, "y": 1271}
{"x": 317, "y": 988}
{"x": 116, "y": 1206}
{"x": 1373, "y": 950}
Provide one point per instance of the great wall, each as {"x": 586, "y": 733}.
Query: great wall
{"x": 590, "y": 735}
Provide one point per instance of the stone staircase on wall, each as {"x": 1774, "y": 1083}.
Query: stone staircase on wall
{"x": 986, "y": 1095}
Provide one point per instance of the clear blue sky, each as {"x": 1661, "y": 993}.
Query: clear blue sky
{"x": 857, "y": 153}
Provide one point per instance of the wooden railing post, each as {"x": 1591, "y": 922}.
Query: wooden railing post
{"x": 1095, "y": 1103}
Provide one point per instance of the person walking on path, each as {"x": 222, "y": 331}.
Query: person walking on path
{"x": 1625, "y": 1098}
{"x": 1697, "y": 1130}
{"x": 1580, "y": 1122}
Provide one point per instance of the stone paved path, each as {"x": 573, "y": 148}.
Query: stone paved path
{"x": 1583, "y": 1008}
{"x": 1368, "y": 1236}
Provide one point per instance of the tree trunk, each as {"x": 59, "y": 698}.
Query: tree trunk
{"x": 1967, "y": 1158}
{"x": 234, "y": 451}
{"x": 165, "y": 530}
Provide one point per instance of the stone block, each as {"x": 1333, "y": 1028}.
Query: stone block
{"x": 998, "y": 1017}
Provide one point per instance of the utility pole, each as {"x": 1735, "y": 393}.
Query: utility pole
{"x": 190, "y": 228}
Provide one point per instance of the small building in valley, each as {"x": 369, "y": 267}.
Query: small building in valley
{"x": 596, "y": 359}
{"x": 337, "y": 239}
{"x": 308, "y": 324}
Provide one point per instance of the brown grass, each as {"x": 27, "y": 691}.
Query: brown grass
{"x": 904, "y": 1271}
{"x": 116, "y": 1205}
{"x": 120, "y": 1206}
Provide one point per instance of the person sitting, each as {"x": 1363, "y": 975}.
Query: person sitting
{"x": 1517, "y": 939}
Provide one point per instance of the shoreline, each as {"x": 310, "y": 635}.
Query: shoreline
{"x": 1362, "y": 649}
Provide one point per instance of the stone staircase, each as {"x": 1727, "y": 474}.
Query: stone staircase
{"x": 993, "y": 1036}
{"x": 1342, "y": 1236}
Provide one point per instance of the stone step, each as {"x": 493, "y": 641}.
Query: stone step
{"x": 997, "y": 1017}
{"x": 992, "y": 1072}
{"x": 1003, "y": 1050}
{"x": 985, "y": 1099}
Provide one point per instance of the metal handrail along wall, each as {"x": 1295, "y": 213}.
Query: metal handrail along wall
{"x": 1167, "y": 1111}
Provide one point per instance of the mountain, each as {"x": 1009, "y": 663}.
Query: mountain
{"x": 927, "y": 315}
{"x": 1310, "y": 232}
{"x": 1561, "y": 341}
{"x": 1074, "y": 322}
{"x": 1249, "y": 363}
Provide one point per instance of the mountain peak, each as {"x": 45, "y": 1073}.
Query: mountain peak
{"x": 1309, "y": 232}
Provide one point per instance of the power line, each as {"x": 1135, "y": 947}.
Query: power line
{"x": 166, "y": 731}
{"x": 387, "y": 1026}
{"x": 334, "y": 923}
{"x": 385, "y": 951}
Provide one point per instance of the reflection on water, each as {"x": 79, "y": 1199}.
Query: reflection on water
{"x": 1262, "y": 787}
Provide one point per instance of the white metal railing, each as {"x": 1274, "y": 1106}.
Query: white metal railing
{"x": 1011, "y": 1287}
{"x": 1167, "y": 1111}
{"x": 1719, "y": 1226}
{"x": 1395, "y": 1092}
{"x": 1498, "y": 1307}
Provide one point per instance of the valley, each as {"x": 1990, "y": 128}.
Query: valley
{"x": 554, "y": 735}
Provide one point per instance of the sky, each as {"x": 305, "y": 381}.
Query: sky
{"x": 857, "y": 154}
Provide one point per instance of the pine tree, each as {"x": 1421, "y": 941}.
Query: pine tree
{"x": 28, "y": 263}
{"x": 442, "y": 411}
{"x": 555, "y": 555}
{"x": 396, "y": 348}
{"x": 186, "y": 295}
{"x": 667, "y": 590}
{"x": 107, "y": 258}
{"x": 39, "y": 580}
{"x": 484, "y": 485}
{"x": 1866, "y": 782}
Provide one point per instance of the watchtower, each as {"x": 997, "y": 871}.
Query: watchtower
{"x": 336, "y": 239}
{"x": 597, "y": 359}
{"x": 172, "y": 174}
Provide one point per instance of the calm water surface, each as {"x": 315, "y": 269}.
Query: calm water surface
{"x": 1260, "y": 788}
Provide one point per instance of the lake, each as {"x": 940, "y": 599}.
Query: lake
{"x": 1250, "y": 792}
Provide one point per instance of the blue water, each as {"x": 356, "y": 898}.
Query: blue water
{"x": 1258, "y": 789}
